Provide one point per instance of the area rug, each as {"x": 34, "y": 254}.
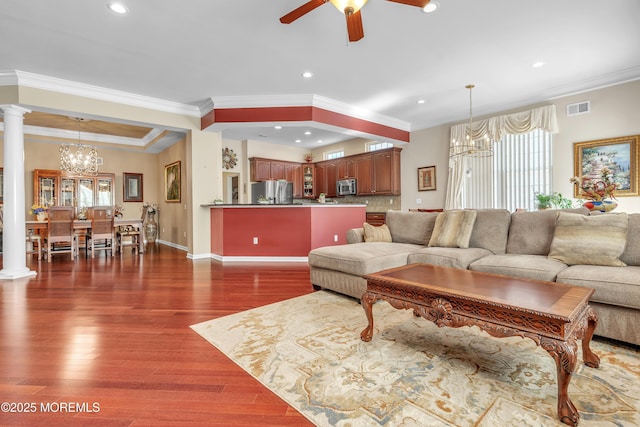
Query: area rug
{"x": 308, "y": 351}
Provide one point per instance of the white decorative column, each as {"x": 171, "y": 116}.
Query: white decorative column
{"x": 14, "y": 243}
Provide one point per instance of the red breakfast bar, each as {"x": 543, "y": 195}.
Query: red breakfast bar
{"x": 279, "y": 232}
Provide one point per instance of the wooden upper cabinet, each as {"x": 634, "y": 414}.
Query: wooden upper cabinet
{"x": 260, "y": 169}
{"x": 347, "y": 168}
{"x": 378, "y": 173}
{"x": 364, "y": 175}
{"x": 320, "y": 178}
{"x": 293, "y": 173}
{"x": 278, "y": 170}
{"x": 332, "y": 176}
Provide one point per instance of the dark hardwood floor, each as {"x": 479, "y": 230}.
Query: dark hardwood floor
{"x": 112, "y": 335}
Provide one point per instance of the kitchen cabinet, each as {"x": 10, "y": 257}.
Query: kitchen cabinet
{"x": 378, "y": 173}
{"x": 260, "y": 169}
{"x": 56, "y": 188}
{"x": 331, "y": 170}
{"x": 293, "y": 173}
{"x": 346, "y": 168}
{"x": 278, "y": 170}
{"x": 376, "y": 218}
{"x": 320, "y": 178}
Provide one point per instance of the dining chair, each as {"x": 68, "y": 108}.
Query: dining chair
{"x": 131, "y": 235}
{"x": 101, "y": 231}
{"x": 60, "y": 237}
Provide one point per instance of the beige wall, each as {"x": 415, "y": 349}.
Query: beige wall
{"x": 615, "y": 111}
{"x": 45, "y": 155}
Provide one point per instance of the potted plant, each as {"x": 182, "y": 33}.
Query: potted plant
{"x": 553, "y": 200}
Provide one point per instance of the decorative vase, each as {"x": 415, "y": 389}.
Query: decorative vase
{"x": 41, "y": 216}
{"x": 600, "y": 206}
{"x": 151, "y": 228}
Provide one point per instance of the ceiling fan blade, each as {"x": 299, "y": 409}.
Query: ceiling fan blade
{"x": 417, "y": 3}
{"x": 354, "y": 26}
{"x": 301, "y": 11}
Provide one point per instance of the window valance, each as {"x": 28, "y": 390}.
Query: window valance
{"x": 494, "y": 128}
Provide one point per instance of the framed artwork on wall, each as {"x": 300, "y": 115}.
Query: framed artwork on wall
{"x": 172, "y": 182}
{"x": 427, "y": 178}
{"x": 132, "y": 183}
{"x": 619, "y": 155}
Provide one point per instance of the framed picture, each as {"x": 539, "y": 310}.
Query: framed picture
{"x": 132, "y": 183}
{"x": 172, "y": 182}
{"x": 1, "y": 185}
{"x": 620, "y": 155}
{"x": 427, "y": 178}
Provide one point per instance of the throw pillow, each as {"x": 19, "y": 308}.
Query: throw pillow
{"x": 453, "y": 229}
{"x": 376, "y": 234}
{"x": 590, "y": 240}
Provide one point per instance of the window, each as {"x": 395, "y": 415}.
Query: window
{"x": 373, "y": 146}
{"x": 520, "y": 167}
{"x": 335, "y": 154}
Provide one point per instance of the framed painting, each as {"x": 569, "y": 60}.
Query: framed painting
{"x": 619, "y": 155}
{"x": 132, "y": 183}
{"x": 172, "y": 180}
{"x": 427, "y": 178}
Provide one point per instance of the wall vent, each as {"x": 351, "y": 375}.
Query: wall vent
{"x": 578, "y": 108}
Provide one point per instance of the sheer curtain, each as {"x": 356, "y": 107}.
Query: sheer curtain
{"x": 493, "y": 128}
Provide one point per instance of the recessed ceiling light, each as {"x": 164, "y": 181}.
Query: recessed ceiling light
{"x": 277, "y": 127}
{"x": 430, "y": 7}
{"x": 118, "y": 8}
{"x": 307, "y": 132}
{"x": 320, "y": 141}
{"x": 420, "y": 101}
{"x": 298, "y": 141}
{"x": 537, "y": 64}
{"x": 307, "y": 74}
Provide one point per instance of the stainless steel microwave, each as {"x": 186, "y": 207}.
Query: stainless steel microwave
{"x": 346, "y": 187}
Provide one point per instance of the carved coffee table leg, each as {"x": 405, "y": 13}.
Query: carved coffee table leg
{"x": 564, "y": 353}
{"x": 367, "y": 303}
{"x": 589, "y": 357}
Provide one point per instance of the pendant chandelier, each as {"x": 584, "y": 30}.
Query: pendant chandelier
{"x": 472, "y": 145}
{"x": 79, "y": 159}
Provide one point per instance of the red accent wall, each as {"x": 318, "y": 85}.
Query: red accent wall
{"x": 300, "y": 114}
{"x": 281, "y": 231}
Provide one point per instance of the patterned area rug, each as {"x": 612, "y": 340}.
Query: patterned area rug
{"x": 308, "y": 351}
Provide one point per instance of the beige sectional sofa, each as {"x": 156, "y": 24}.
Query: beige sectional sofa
{"x": 546, "y": 245}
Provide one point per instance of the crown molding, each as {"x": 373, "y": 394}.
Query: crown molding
{"x": 53, "y": 84}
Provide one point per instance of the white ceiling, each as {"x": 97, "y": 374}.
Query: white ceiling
{"x": 197, "y": 51}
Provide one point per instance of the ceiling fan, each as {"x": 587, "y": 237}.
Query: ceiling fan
{"x": 351, "y": 10}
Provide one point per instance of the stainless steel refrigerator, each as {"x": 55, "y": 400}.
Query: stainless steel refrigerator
{"x": 278, "y": 192}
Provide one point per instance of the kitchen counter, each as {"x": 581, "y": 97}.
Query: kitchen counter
{"x": 279, "y": 232}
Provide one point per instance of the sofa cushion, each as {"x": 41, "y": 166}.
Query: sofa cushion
{"x": 631, "y": 254}
{"x": 531, "y": 233}
{"x": 376, "y": 234}
{"x": 411, "y": 227}
{"x": 589, "y": 240}
{"x": 536, "y": 267}
{"x": 491, "y": 230}
{"x": 613, "y": 285}
{"x": 453, "y": 229}
{"x": 447, "y": 257}
{"x": 361, "y": 258}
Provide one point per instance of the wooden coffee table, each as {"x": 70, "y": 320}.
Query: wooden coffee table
{"x": 553, "y": 315}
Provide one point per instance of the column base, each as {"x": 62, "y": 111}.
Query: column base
{"x": 12, "y": 275}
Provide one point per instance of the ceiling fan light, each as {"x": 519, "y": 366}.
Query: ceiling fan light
{"x": 352, "y": 5}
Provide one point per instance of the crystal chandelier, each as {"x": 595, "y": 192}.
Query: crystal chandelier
{"x": 471, "y": 147}
{"x": 79, "y": 159}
